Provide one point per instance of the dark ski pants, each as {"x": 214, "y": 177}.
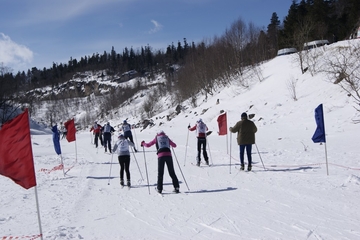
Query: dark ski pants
{"x": 96, "y": 140}
{"x": 107, "y": 141}
{"x": 170, "y": 166}
{"x": 130, "y": 137}
{"x": 124, "y": 162}
{"x": 248, "y": 153}
{"x": 201, "y": 143}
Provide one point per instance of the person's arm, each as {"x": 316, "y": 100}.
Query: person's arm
{"x": 192, "y": 128}
{"x": 172, "y": 143}
{"x": 149, "y": 144}
{"x": 235, "y": 128}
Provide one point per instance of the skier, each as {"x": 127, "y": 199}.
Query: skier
{"x": 122, "y": 149}
{"x": 126, "y": 127}
{"x": 63, "y": 131}
{"x": 96, "y": 128}
{"x": 108, "y": 130}
{"x": 201, "y": 129}
{"x": 163, "y": 143}
{"x": 246, "y": 130}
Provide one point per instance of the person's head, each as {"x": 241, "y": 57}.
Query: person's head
{"x": 200, "y": 120}
{"x": 244, "y": 115}
{"x": 95, "y": 122}
{"x": 124, "y": 121}
{"x": 108, "y": 123}
{"x": 121, "y": 136}
{"x": 161, "y": 132}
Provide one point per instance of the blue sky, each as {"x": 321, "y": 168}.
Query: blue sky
{"x": 37, "y": 33}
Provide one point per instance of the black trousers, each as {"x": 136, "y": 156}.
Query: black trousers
{"x": 97, "y": 137}
{"x": 202, "y": 143}
{"x": 170, "y": 166}
{"x": 124, "y": 162}
{"x": 107, "y": 141}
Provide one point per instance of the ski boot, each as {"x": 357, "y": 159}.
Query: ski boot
{"x": 242, "y": 168}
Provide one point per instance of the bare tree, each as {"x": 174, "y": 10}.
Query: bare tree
{"x": 343, "y": 68}
{"x": 291, "y": 86}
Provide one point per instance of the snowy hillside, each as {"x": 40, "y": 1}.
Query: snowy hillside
{"x": 288, "y": 195}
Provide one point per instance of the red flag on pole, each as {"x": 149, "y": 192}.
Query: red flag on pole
{"x": 16, "y": 157}
{"x": 70, "y": 127}
{"x": 222, "y": 122}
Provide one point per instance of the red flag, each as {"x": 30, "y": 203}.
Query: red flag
{"x": 222, "y": 122}
{"x": 16, "y": 157}
{"x": 70, "y": 127}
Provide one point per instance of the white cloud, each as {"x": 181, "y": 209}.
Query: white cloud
{"x": 13, "y": 54}
{"x": 157, "y": 27}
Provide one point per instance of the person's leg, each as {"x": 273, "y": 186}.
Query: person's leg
{"x": 96, "y": 139}
{"x": 109, "y": 144}
{"x": 161, "y": 165}
{"x": 248, "y": 153}
{"x": 198, "y": 158}
{"x": 122, "y": 167}
{"x": 127, "y": 170}
{"x": 242, "y": 150}
{"x": 170, "y": 167}
{"x": 105, "y": 142}
{"x": 204, "y": 151}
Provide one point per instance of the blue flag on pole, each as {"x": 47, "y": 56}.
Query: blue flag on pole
{"x": 319, "y": 135}
{"x": 56, "y": 139}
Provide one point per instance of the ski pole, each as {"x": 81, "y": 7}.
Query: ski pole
{"x": 180, "y": 168}
{"x": 209, "y": 152}
{"x": 137, "y": 165}
{"x": 260, "y": 156}
{"x": 230, "y": 152}
{"x": 135, "y": 137}
{"x": 187, "y": 138}
{"x": 112, "y": 155}
{"x": 147, "y": 177}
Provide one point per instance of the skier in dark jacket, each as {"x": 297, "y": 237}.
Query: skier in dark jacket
{"x": 163, "y": 144}
{"x": 126, "y": 127}
{"x": 107, "y": 131}
{"x": 246, "y": 130}
{"x": 201, "y": 129}
{"x": 122, "y": 149}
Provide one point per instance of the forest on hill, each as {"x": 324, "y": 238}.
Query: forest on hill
{"x": 198, "y": 67}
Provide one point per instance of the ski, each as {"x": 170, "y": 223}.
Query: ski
{"x": 201, "y": 166}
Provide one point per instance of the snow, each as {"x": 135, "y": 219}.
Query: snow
{"x": 292, "y": 198}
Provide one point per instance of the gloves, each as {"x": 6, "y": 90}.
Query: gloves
{"x": 142, "y": 143}
{"x": 189, "y": 126}
{"x": 230, "y": 128}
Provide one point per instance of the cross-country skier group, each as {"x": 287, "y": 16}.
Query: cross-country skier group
{"x": 244, "y": 128}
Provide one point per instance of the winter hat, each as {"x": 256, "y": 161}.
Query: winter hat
{"x": 124, "y": 121}
{"x": 161, "y": 132}
{"x": 121, "y": 135}
{"x": 244, "y": 115}
{"x": 200, "y": 120}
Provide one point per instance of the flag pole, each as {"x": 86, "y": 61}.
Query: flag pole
{"x": 62, "y": 163}
{"x": 327, "y": 167}
{"x": 75, "y": 152}
{"x": 227, "y": 144}
{"x": 38, "y": 212}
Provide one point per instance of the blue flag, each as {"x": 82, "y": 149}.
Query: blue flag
{"x": 319, "y": 135}
{"x": 56, "y": 139}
